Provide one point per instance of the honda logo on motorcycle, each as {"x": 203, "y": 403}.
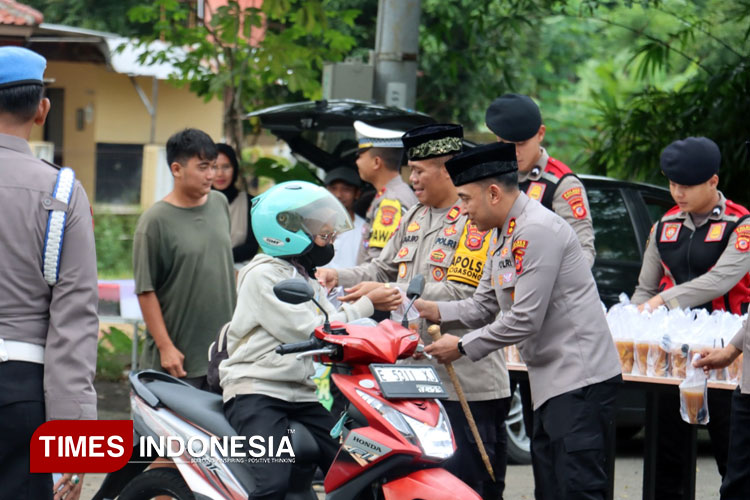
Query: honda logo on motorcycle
{"x": 81, "y": 445}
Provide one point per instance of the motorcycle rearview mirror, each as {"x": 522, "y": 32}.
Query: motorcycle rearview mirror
{"x": 413, "y": 292}
{"x": 298, "y": 291}
{"x": 293, "y": 291}
{"x": 416, "y": 287}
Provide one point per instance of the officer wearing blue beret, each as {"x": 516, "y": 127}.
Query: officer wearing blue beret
{"x": 696, "y": 257}
{"x": 48, "y": 287}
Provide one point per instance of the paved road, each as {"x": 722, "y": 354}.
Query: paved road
{"x": 628, "y": 476}
{"x": 113, "y": 404}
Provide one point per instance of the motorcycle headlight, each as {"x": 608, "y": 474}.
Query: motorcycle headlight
{"x": 435, "y": 442}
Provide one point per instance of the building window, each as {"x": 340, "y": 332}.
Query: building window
{"x": 118, "y": 173}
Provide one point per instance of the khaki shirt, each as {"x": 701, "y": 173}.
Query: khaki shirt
{"x": 728, "y": 271}
{"x": 583, "y": 226}
{"x": 439, "y": 245}
{"x": 538, "y": 277}
{"x": 383, "y": 217}
{"x": 741, "y": 341}
{"x": 63, "y": 318}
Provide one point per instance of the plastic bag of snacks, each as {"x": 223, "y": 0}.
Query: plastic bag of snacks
{"x": 641, "y": 326}
{"x": 657, "y": 361}
{"x": 734, "y": 370}
{"x": 623, "y": 337}
{"x": 694, "y": 396}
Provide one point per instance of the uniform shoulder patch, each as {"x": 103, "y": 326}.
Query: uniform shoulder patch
{"x": 574, "y": 198}
{"x": 743, "y": 237}
{"x": 518, "y": 249}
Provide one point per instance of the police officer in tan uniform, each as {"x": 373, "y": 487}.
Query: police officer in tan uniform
{"x": 48, "y": 287}
{"x": 435, "y": 239}
{"x": 697, "y": 256}
{"x": 538, "y": 277}
{"x": 516, "y": 118}
{"x": 379, "y": 163}
{"x": 736, "y": 483}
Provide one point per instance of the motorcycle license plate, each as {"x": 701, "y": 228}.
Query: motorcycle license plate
{"x": 408, "y": 381}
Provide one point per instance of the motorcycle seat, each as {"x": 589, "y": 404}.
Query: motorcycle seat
{"x": 206, "y": 410}
{"x": 202, "y": 408}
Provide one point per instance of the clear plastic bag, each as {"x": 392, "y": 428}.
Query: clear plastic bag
{"x": 622, "y": 334}
{"x": 694, "y": 396}
{"x": 412, "y": 316}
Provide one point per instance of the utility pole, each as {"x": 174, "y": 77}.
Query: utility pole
{"x": 396, "y": 49}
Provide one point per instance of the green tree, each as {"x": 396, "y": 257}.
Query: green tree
{"x": 249, "y": 57}
{"x": 102, "y": 15}
{"x": 702, "y": 47}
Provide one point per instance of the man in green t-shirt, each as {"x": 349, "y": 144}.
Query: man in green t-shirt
{"x": 182, "y": 258}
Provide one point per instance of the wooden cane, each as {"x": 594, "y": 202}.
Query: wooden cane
{"x": 434, "y": 331}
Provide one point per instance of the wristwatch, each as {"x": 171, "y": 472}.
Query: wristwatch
{"x": 460, "y": 346}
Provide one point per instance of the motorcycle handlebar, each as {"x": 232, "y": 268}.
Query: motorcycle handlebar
{"x": 297, "y": 347}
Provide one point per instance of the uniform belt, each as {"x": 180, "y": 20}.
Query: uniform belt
{"x": 13, "y": 350}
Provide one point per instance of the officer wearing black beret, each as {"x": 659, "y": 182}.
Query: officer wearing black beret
{"x": 48, "y": 286}
{"x": 696, "y": 257}
{"x": 516, "y": 118}
{"x": 538, "y": 277}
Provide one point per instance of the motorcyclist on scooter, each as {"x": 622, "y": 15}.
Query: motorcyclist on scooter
{"x": 295, "y": 224}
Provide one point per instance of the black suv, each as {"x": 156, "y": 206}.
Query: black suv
{"x": 623, "y": 213}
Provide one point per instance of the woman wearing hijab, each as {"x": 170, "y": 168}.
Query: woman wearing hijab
{"x": 244, "y": 246}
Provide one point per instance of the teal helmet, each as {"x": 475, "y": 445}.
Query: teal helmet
{"x": 287, "y": 217}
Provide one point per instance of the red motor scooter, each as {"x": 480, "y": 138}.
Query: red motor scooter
{"x": 395, "y": 433}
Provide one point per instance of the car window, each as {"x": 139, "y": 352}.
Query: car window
{"x": 657, "y": 206}
{"x": 614, "y": 235}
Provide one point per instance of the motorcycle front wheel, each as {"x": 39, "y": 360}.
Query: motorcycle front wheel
{"x": 159, "y": 482}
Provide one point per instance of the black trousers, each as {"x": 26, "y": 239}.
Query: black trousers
{"x": 21, "y": 412}
{"x": 736, "y": 484}
{"x": 467, "y": 462}
{"x": 572, "y": 433}
{"x": 672, "y": 441}
{"x": 260, "y": 415}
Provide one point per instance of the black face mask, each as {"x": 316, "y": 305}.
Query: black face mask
{"x": 320, "y": 256}
{"x": 316, "y": 257}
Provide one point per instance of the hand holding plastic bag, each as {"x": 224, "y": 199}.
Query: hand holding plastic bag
{"x": 694, "y": 396}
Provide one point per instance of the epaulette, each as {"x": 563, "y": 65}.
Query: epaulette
{"x": 56, "y": 167}
{"x": 557, "y": 168}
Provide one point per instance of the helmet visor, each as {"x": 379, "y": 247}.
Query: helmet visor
{"x": 325, "y": 217}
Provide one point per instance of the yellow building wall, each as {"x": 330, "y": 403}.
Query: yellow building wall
{"x": 78, "y": 145}
{"x": 119, "y": 116}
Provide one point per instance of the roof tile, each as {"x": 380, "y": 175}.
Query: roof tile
{"x": 14, "y": 13}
